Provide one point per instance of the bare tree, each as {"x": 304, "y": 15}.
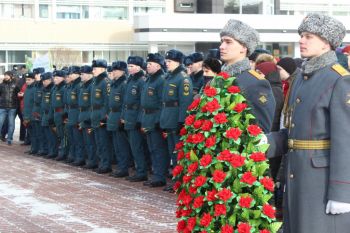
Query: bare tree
{"x": 64, "y": 57}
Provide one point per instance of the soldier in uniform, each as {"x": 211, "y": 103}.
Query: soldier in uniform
{"x": 238, "y": 41}
{"x": 131, "y": 117}
{"x": 57, "y": 102}
{"x": 151, "y": 104}
{"x": 47, "y": 115}
{"x": 27, "y": 111}
{"x": 38, "y": 132}
{"x": 99, "y": 108}
{"x": 177, "y": 96}
{"x": 197, "y": 72}
{"x": 84, "y": 102}
{"x": 188, "y": 64}
{"x": 115, "y": 104}
{"x": 317, "y": 190}
{"x": 76, "y": 136}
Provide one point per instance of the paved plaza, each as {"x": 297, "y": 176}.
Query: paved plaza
{"x": 42, "y": 195}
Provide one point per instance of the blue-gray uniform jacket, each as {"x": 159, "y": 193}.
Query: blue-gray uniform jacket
{"x": 47, "y": 111}
{"x": 132, "y": 99}
{"x": 28, "y": 102}
{"x": 58, "y": 103}
{"x": 84, "y": 102}
{"x": 258, "y": 93}
{"x": 151, "y": 100}
{"x": 197, "y": 82}
{"x": 36, "y": 112}
{"x": 115, "y": 102}
{"x": 72, "y": 94}
{"x": 99, "y": 99}
{"x": 316, "y": 144}
{"x": 177, "y": 96}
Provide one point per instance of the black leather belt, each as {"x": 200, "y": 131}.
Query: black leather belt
{"x": 73, "y": 106}
{"x": 115, "y": 109}
{"x": 96, "y": 107}
{"x": 171, "y": 104}
{"x": 132, "y": 106}
{"x": 84, "y": 109}
{"x": 150, "y": 110}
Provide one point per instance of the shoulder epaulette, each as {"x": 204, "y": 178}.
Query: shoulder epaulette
{"x": 256, "y": 74}
{"x": 340, "y": 70}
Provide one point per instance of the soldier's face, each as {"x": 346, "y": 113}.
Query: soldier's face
{"x": 152, "y": 67}
{"x": 96, "y": 71}
{"x": 171, "y": 65}
{"x": 312, "y": 45}
{"x": 118, "y": 73}
{"x": 85, "y": 77}
{"x": 231, "y": 51}
{"x": 29, "y": 81}
{"x": 133, "y": 69}
{"x": 37, "y": 77}
{"x": 196, "y": 66}
{"x": 57, "y": 80}
{"x": 46, "y": 82}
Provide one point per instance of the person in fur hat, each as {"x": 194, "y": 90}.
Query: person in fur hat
{"x": 317, "y": 190}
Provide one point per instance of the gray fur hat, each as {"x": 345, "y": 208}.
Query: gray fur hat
{"x": 325, "y": 27}
{"x": 241, "y": 32}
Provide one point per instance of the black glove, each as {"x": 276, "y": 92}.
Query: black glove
{"x": 157, "y": 126}
{"x": 180, "y": 125}
{"x": 65, "y": 116}
{"x": 103, "y": 123}
{"x": 138, "y": 125}
{"x": 120, "y": 126}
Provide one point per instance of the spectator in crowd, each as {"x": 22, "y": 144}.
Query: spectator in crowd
{"x": 8, "y": 103}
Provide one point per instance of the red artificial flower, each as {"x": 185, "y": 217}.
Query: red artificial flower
{"x": 220, "y": 118}
{"x": 205, "y": 160}
{"x": 211, "y": 106}
{"x": 191, "y": 223}
{"x": 194, "y": 104}
{"x": 210, "y": 91}
{"x": 177, "y": 170}
{"x": 268, "y": 183}
{"x": 176, "y": 185}
{"x": 180, "y": 155}
{"x": 245, "y": 202}
{"x": 188, "y": 155}
{"x": 186, "y": 179}
{"x": 186, "y": 213}
{"x": 224, "y": 75}
{"x": 244, "y": 228}
{"x": 219, "y": 209}
{"x": 190, "y": 119}
{"x": 264, "y": 231}
{"x": 237, "y": 160}
{"x": 233, "y": 89}
{"x": 197, "y": 138}
{"x": 254, "y": 130}
{"x": 224, "y": 194}
{"x": 185, "y": 198}
{"x": 240, "y": 107}
{"x": 183, "y": 131}
{"x": 225, "y": 155}
{"x": 258, "y": 156}
{"x": 179, "y": 145}
{"x": 248, "y": 178}
{"x": 269, "y": 211}
{"x": 178, "y": 213}
{"x": 211, "y": 141}
{"x": 198, "y": 202}
{"x": 219, "y": 176}
{"x": 189, "y": 138}
{"x": 197, "y": 124}
{"x": 226, "y": 229}
{"x": 206, "y": 220}
{"x": 233, "y": 133}
{"x": 192, "y": 167}
{"x": 181, "y": 225}
{"x": 192, "y": 190}
{"x": 207, "y": 125}
{"x": 211, "y": 195}
{"x": 200, "y": 181}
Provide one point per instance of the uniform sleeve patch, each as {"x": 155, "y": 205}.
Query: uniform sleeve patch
{"x": 340, "y": 70}
{"x": 256, "y": 74}
{"x": 263, "y": 98}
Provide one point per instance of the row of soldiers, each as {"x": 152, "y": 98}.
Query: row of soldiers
{"x": 89, "y": 117}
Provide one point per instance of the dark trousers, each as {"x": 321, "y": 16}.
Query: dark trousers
{"x": 34, "y": 136}
{"x": 136, "y": 141}
{"x": 78, "y": 145}
{"x": 51, "y": 139}
{"x": 62, "y": 141}
{"x": 157, "y": 146}
{"x": 22, "y": 129}
{"x": 90, "y": 147}
{"x": 122, "y": 150}
{"x": 173, "y": 138}
{"x": 103, "y": 148}
{"x": 40, "y": 136}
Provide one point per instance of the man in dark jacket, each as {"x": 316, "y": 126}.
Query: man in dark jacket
{"x": 8, "y": 103}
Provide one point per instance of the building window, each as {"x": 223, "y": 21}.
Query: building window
{"x": 17, "y": 10}
{"x": 114, "y": 12}
{"x": 68, "y": 12}
{"x": 2, "y": 56}
{"x": 18, "y": 56}
{"x": 85, "y": 12}
{"x": 231, "y": 6}
{"x": 43, "y": 11}
{"x": 148, "y": 10}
